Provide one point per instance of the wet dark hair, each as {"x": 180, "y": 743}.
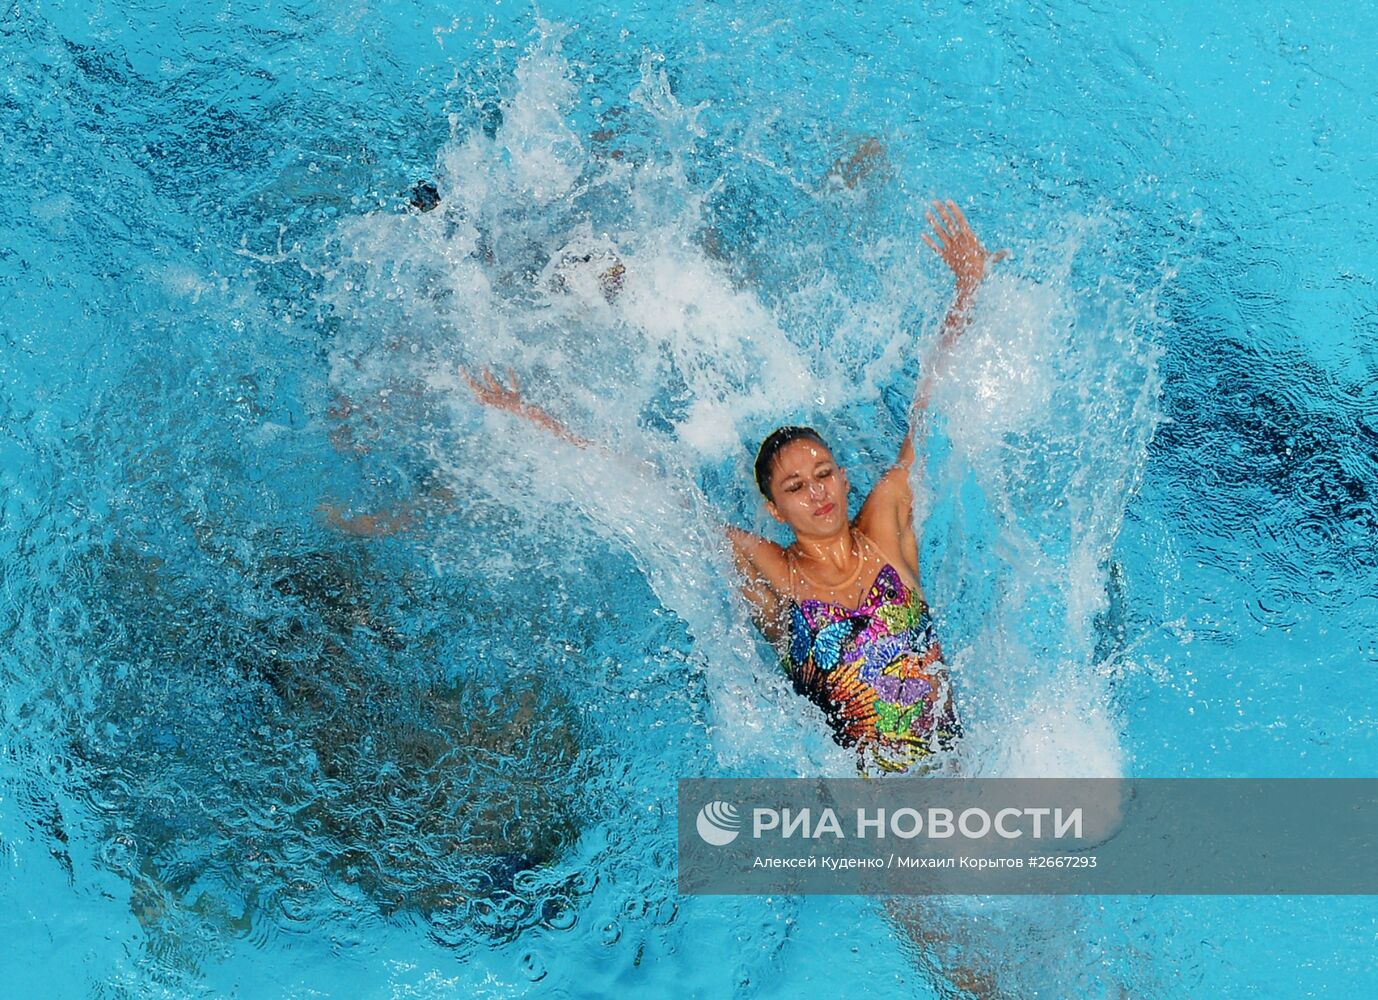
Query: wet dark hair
{"x": 770, "y": 448}
{"x": 425, "y": 196}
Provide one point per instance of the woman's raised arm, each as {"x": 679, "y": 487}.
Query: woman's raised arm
{"x": 891, "y": 502}
{"x": 968, "y": 260}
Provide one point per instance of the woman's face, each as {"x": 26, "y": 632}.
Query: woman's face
{"x": 808, "y": 491}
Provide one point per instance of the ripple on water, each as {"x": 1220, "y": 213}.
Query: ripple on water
{"x": 1277, "y": 604}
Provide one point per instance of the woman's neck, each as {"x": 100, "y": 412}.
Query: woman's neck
{"x": 838, "y": 551}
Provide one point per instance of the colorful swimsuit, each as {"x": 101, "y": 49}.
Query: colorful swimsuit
{"x": 877, "y": 673}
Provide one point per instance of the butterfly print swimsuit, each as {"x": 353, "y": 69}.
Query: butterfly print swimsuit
{"x": 877, "y": 673}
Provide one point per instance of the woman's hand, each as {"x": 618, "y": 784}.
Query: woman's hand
{"x": 958, "y": 246}
{"x": 968, "y": 259}
{"x": 490, "y": 392}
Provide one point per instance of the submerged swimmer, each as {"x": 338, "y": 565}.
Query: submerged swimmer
{"x": 583, "y": 273}
{"x": 602, "y": 263}
{"x": 430, "y": 797}
{"x": 842, "y": 602}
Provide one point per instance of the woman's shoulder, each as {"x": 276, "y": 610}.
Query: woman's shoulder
{"x": 764, "y": 583}
{"x": 767, "y": 557}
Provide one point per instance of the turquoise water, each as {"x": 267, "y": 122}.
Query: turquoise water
{"x": 249, "y": 754}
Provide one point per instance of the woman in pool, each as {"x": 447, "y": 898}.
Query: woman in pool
{"x": 842, "y": 602}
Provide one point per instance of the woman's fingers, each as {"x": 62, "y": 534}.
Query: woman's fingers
{"x": 490, "y": 390}
{"x": 947, "y": 218}
{"x": 956, "y": 225}
{"x": 961, "y": 220}
{"x": 945, "y": 239}
{"x": 952, "y": 238}
{"x": 949, "y": 224}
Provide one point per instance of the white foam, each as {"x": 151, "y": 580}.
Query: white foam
{"x": 1050, "y": 402}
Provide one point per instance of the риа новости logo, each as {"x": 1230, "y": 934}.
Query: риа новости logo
{"x": 719, "y": 823}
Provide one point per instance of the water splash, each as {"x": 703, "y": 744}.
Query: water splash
{"x": 601, "y": 297}
{"x": 1048, "y": 411}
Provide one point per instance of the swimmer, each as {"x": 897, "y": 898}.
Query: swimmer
{"x": 842, "y": 602}
{"x": 429, "y": 796}
{"x": 584, "y": 271}
{"x": 436, "y": 739}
